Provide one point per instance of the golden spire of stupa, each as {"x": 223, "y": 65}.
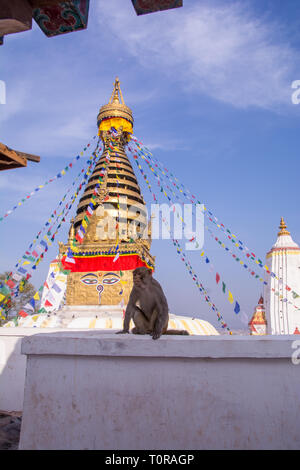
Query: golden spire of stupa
{"x": 282, "y": 227}
{"x": 117, "y": 93}
{"x": 115, "y": 113}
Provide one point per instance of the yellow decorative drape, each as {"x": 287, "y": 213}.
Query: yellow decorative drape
{"x": 117, "y": 122}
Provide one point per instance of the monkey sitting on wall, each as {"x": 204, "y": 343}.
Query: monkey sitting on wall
{"x": 148, "y": 307}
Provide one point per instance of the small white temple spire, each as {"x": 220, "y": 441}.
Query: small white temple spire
{"x": 281, "y": 292}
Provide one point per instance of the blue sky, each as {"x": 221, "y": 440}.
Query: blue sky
{"x": 210, "y": 88}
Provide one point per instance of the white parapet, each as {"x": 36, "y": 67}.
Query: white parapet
{"x": 95, "y": 390}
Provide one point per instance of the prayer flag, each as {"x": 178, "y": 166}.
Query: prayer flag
{"x": 29, "y": 307}
{"x": 236, "y": 308}
{"x": 56, "y": 287}
{"x": 89, "y": 211}
{"x": 10, "y": 283}
{"x": 22, "y": 271}
{"x": 22, "y": 314}
{"x": 70, "y": 260}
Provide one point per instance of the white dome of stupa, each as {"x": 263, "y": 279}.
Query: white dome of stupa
{"x": 104, "y": 318}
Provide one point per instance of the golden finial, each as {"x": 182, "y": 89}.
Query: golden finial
{"x": 115, "y": 108}
{"x": 117, "y": 93}
{"x": 282, "y": 227}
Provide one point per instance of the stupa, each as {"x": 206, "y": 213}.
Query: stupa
{"x": 281, "y": 293}
{"x": 89, "y": 282}
{"x": 117, "y": 236}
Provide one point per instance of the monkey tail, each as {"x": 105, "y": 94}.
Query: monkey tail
{"x": 176, "y": 332}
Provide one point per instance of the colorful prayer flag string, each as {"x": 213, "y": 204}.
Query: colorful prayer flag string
{"x": 203, "y": 255}
{"x": 43, "y": 246}
{"x": 30, "y": 254}
{"x": 38, "y": 188}
{"x": 237, "y": 243}
{"x": 188, "y": 265}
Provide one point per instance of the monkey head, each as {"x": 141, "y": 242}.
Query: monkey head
{"x": 142, "y": 276}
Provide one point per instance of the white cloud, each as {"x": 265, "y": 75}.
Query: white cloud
{"x": 223, "y": 51}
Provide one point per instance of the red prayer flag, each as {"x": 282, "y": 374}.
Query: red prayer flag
{"x": 22, "y": 313}
{"x": 217, "y": 278}
{"x": 10, "y": 283}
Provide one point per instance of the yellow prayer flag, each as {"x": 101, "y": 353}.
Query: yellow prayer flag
{"x": 230, "y": 297}
{"x": 2, "y": 297}
{"x": 36, "y": 296}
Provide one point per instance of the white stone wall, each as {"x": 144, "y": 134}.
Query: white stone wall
{"x": 90, "y": 390}
{"x": 13, "y": 365}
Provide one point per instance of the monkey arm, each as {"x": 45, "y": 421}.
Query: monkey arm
{"x": 128, "y": 316}
{"x": 128, "y": 313}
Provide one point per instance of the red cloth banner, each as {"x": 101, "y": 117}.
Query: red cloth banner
{"x": 86, "y": 263}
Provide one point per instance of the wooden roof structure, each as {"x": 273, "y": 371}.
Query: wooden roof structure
{"x": 10, "y": 158}
{"x": 56, "y": 17}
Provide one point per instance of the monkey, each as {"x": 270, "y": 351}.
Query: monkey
{"x": 147, "y": 307}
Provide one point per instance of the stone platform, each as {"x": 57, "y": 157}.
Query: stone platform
{"x": 95, "y": 390}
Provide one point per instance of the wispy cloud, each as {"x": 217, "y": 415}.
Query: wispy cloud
{"x": 224, "y": 52}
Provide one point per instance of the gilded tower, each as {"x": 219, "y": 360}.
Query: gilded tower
{"x": 104, "y": 248}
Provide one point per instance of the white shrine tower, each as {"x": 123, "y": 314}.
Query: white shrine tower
{"x": 282, "y": 292}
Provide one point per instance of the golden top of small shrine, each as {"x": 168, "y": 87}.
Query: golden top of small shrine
{"x": 282, "y": 227}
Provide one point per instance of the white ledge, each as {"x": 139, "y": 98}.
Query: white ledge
{"x": 103, "y": 343}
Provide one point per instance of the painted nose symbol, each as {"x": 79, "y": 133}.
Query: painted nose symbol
{"x": 100, "y": 290}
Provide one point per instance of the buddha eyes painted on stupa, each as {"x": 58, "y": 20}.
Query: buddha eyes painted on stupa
{"x": 89, "y": 279}
{"x": 110, "y": 279}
